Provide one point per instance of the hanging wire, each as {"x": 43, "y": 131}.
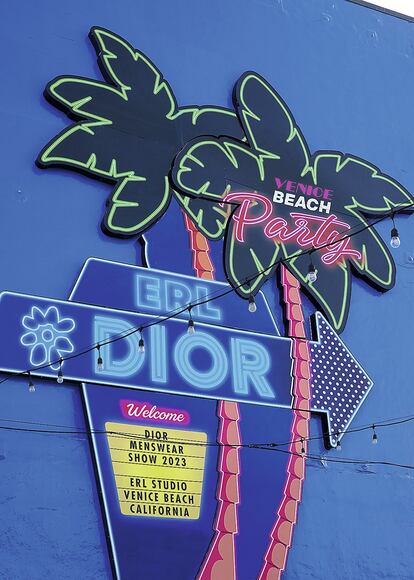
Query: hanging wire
{"x": 169, "y": 316}
{"x": 257, "y": 446}
{"x": 67, "y": 429}
{"x": 141, "y": 343}
{"x": 395, "y": 238}
{"x": 190, "y": 325}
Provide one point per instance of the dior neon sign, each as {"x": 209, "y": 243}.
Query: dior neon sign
{"x": 244, "y": 363}
{"x": 307, "y": 231}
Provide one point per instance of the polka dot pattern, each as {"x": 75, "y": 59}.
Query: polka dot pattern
{"x": 339, "y": 384}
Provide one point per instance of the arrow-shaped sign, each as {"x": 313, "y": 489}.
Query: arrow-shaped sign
{"x": 339, "y": 383}
{"x": 215, "y": 362}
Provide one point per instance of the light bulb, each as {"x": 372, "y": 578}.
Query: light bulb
{"x": 338, "y": 446}
{"x": 302, "y": 451}
{"x": 32, "y": 388}
{"x": 60, "y": 374}
{"x": 374, "y": 436}
{"x": 141, "y": 345}
{"x": 252, "y": 304}
{"x": 191, "y": 327}
{"x": 395, "y": 240}
{"x": 99, "y": 362}
{"x": 312, "y": 274}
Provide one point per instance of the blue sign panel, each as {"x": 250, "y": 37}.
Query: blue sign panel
{"x": 156, "y": 454}
{"x": 215, "y": 362}
{"x": 154, "y": 511}
{"x": 153, "y": 291}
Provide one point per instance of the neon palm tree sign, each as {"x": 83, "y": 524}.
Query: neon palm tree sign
{"x": 130, "y": 132}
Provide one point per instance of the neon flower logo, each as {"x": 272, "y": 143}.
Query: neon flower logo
{"x": 47, "y": 335}
{"x": 308, "y": 231}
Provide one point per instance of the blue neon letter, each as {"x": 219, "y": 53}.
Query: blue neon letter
{"x": 158, "y": 355}
{"x": 251, "y": 362}
{"x": 206, "y": 379}
{"x": 106, "y": 327}
{"x": 148, "y": 292}
{"x": 206, "y": 311}
{"x": 177, "y": 295}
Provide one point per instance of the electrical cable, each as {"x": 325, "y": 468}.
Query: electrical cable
{"x": 206, "y": 299}
{"x": 344, "y": 460}
{"x": 203, "y": 301}
{"x": 179, "y": 310}
{"x": 71, "y": 430}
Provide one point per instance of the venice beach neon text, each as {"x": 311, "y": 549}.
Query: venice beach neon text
{"x": 297, "y": 194}
{"x": 307, "y": 230}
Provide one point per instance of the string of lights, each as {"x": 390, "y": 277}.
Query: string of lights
{"x": 312, "y": 276}
{"x": 345, "y": 460}
{"x": 71, "y": 430}
{"x": 312, "y": 273}
{"x": 257, "y": 446}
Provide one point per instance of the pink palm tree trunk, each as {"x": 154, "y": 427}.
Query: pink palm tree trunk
{"x": 220, "y": 560}
{"x": 286, "y": 515}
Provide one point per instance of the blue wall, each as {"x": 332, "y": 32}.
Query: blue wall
{"x": 346, "y": 73}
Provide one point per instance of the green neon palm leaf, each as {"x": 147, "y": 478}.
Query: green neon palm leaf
{"x": 268, "y": 123}
{"x": 211, "y": 167}
{"x": 372, "y": 194}
{"x": 127, "y": 132}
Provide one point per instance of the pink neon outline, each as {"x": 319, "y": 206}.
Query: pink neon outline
{"x": 281, "y": 186}
{"x": 271, "y": 569}
{"x": 242, "y": 210}
{"x": 213, "y": 554}
{"x": 331, "y": 254}
{"x": 222, "y": 535}
{"x": 124, "y": 402}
